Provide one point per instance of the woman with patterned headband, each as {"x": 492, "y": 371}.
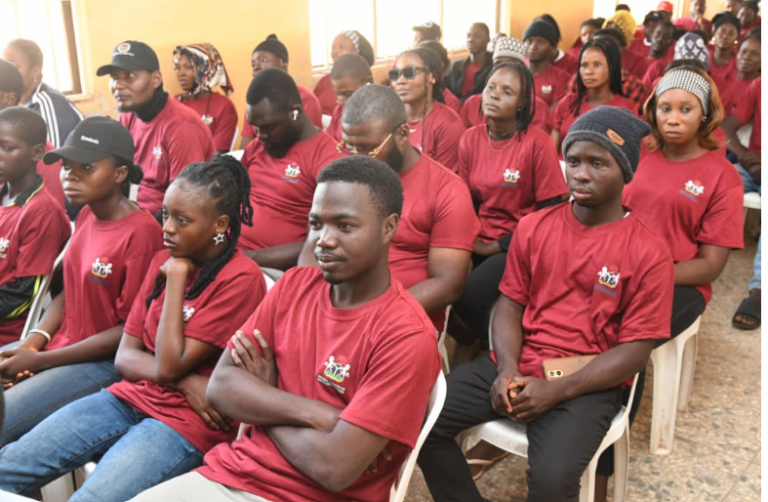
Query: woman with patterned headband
{"x": 199, "y": 68}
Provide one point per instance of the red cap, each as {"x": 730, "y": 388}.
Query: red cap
{"x": 665, "y": 6}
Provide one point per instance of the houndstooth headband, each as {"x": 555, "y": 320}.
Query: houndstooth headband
{"x": 354, "y": 37}
{"x": 686, "y": 80}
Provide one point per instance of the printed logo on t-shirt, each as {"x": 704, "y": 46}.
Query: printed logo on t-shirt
{"x": 291, "y": 173}
{"x": 336, "y": 370}
{"x": 101, "y": 270}
{"x": 4, "y": 244}
{"x": 693, "y": 188}
{"x": 157, "y": 153}
{"x": 546, "y": 89}
{"x": 186, "y": 313}
{"x": 511, "y": 177}
{"x": 207, "y": 120}
{"x": 608, "y": 280}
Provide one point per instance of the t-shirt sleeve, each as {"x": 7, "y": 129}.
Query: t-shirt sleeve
{"x": 225, "y": 131}
{"x": 134, "y": 324}
{"x": 722, "y": 221}
{"x": 455, "y": 222}
{"x": 136, "y": 271}
{"x": 392, "y": 397}
{"x": 188, "y": 142}
{"x": 744, "y": 108}
{"x": 447, "y": 142}
{"x": 647, "y": 315}
{"x": 41, "y": 242}
{"x": 559, "y": 86}
{"x": 516, "y": 281}
{"x": 463, "y": 158}
{"x": 559, "y": 116}
{"x": 547, "y": 175}
{"x": 248, "y": 131}
{"x": 230, "y": 305}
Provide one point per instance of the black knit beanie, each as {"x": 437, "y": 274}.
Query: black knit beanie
{"x": 275, "y": 46}
{"x": 543, "y": 30}
{"x": 615, "y": 129}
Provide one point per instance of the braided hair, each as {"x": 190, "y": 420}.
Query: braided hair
{"x": 526, "y": 110}
{"x": 610, "y": 49}
{"x": 229, "y": 187}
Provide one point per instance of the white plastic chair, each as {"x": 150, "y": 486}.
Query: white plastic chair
{"x": 434, "y": 407}
{"x": 234, "y": 138}
{"x": 326, "y": 121}
{"x": 40, "y": 300}
{"x": 238, "y": 154}
{"x": 511, "y": 436}
{"x": 751, "y": 201}
{"x": 441, "y": 337}
{"x": 674, "y": 364}
{"x": 562, "y": 168}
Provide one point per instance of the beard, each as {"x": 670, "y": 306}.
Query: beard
{"x": 290, "y": 138}
{"x": 395, "y": 159}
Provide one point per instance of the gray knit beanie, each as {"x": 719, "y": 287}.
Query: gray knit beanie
{"x": 615, "y": 129}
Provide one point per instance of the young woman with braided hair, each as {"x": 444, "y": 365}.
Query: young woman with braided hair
{"x": 156, "y": 423}
{"x": 435, "y": 129}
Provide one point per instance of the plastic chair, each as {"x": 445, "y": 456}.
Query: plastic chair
{"x": 238, "y": 154}
{"x": 272, "y": 273}
{"x": 36, "y": 309}
{"x": 234, "y": 138}
{"x": 434, "y": 407}
{"x": 511, "y": 436}
{"x": 441, "y": 336}
{"x": 326, "y": 121}
{"x": 751, "y": 201}
{"x": 674, "y": 364}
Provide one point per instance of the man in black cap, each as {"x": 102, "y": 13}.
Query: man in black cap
{"x": 467, "y": 76}
{"x": 425, "y": 32}
{"x": 585, "y": 278}
{"x": 540, "y": 40}
{"x": 272, "y": 53}
{"x": 167, "y": 135}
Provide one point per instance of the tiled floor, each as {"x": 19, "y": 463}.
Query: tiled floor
{"x": 716, "y": 455}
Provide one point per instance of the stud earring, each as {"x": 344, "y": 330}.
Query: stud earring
{"x": 218, "y": 238}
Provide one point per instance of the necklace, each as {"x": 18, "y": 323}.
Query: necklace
{"x": 503, "y": 139}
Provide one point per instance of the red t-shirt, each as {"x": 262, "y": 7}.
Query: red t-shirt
{"x": 218, "y": 113}
{"x": 551, "y": 84}
{"x": 437, "y": 213}
{"x": 748, "y": 109}
{"x": 689, "y": 203}
{"x": 508, "y": 177}
{"x": 213, "y": 317}
{"x": 688, "y": 24}
{"x": 378, "y": 362}
{"x": 311, "y": 106}
{"x": 325, "y": 94}
{"x": 52, "y": 177}
{"x": 31, "y": 236}
{"x": 635, "y": 64}
{"x": 104, "y": 266}
{"x": 731, "y": 93}
{"x": 472, "y": 114}
{"x": 334, "y": 128}
{"x": 640, "y": 47}
{"x": 566, "y": 62}
{"x": 564, "y": 118}
{"x": 470, "y": 70}
{"x": 441, "y": 139}
{"x": 586, "y": 289}
{"x": 451, "y": 101}
{"x": 722, "y": 73}
{"x": 282, "y": 190}
{"x": 165, "y": 145}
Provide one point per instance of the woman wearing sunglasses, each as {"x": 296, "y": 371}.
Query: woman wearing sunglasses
{"x": 435, "y": 129}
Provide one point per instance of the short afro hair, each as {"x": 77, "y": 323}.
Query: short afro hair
{"x": 30, "y": 50}
{"x": 276, "y": 86}
{"x": 352, "y": 65}
{"x": 28, "y": 125}
{"x": 381, "y": 180}
{"x": 374, "y": 102}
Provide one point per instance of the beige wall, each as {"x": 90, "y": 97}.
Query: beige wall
{"x": 518, "y": 14}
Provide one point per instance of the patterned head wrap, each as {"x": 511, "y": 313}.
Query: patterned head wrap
{"x": 692, "y": 46}
{"x": 209, "y": 68}
{"x": 687, "y": 80}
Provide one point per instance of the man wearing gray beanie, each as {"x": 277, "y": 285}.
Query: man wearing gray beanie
{"x": 582, "y": 279}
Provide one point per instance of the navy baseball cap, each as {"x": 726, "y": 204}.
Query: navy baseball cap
{"x": 131, "y": 56}
{"x": 93, "y": 139}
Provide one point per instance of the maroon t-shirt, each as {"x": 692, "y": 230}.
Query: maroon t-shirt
{"x": 635, "y": 64}
{"x": 472, "y": 114}
{"x": 334, "y": 128}
{"x": 438, "y": 135}
{"x": 377, "y": 362}
{"x": 325, "y": 94}
{"x": 51, "y": 175}
{"x": 470, "y": 70}
{"x": 218, "y": 113}
{"x": 564, "y": 118}
{"x": 688, "y": 24}
{"x": 749, "y": 109}
{"x": 551, "y": 84}
{"x": 311, "y": 106}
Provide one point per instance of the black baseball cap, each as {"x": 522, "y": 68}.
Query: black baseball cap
{"x": 93, "y": 139}
{"x": 430, "y": 30}
{"x": 131, "y": 55}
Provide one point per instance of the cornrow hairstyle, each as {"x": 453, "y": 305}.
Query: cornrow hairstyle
{"x": 438, "y": 49}
{"x": 229, "y": 189}
{"x": 526, "y": 110}
{"x": 711, "y": 122}
{"x": 610, "y": 49}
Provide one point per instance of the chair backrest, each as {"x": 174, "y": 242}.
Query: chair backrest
{"x": 238, "y": 154}
{"x": 234, "y": 138}
{"x": 490, "y": 324}
{"x": 269, "y": 280}
{"x": 434, "y": 407}
{"x": 36, "y": 308}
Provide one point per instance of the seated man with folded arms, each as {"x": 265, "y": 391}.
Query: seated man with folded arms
{"x": 431, "y": 252}
{"x": 336, "y": 385}
{"x": 349, "y": 73}
{"x": 283, "y": 166}
{"x": 585, "y": 278}
{"x": 167, "y": 135}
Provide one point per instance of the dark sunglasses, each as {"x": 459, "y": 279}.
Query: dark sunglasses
{"x": 409, "y": 72}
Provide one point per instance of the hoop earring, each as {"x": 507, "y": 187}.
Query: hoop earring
{"x": 218, "y": 238}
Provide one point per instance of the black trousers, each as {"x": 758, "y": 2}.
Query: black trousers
{"x": 474, "y": 306}
{"x": 561, "y": 443}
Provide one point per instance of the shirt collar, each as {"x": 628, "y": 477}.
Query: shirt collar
{"x": 27, "y": 194}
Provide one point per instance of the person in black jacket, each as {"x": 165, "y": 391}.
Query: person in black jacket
{"x": 467, "y": 76}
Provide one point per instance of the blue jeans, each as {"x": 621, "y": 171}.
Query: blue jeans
{"x": 750, "y": 185}
{"x": 29, "y": 402}
{"x": 137, "y": 452}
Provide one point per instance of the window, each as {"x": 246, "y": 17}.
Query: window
{"x": 388, "y": 24}
{"x": 50, "y": 24}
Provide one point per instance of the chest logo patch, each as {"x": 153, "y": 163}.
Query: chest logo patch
{"x": 157, "y": 153}
{"x": 546, "y": 89}
{"x": 609, "y": 277}
{"x": 101, "y": 268}
{"x": 336, "y": 371}
{"x": 207, "y": 120}
{"x": 187, "y": 313}
{"x": 292, "y": 171}
{"x": 511, "y": 176}
{"x": 694, "y": 187}
{"x": 4, "y": 245}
